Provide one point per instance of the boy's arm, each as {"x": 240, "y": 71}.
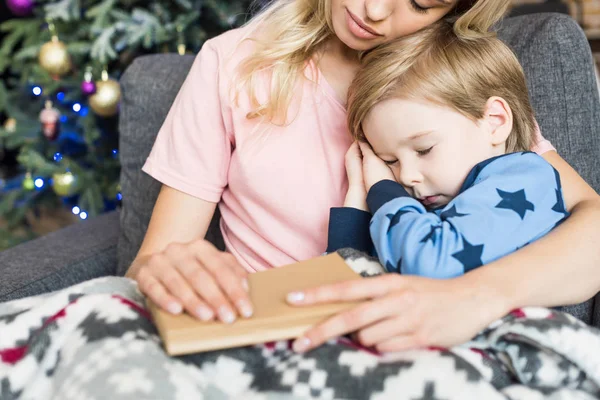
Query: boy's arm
{"x": 507, "y": 204}
{"x": 349, "y": 227}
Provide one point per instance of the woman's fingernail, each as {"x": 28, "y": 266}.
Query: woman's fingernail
{"x": 295, "y": 297}
{"x": 174, "y": 308}
{"x": 245, "y": 285}
{"x": 245, "y": 309}
{"x": 226, "y": 315}
{"x": 300, "y": 345}
{"x": 204, "y": 313}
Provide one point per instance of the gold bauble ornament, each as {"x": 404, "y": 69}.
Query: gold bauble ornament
{"x": 105, "y": 102}
{"x": 10, "y": 125}
{"x": 65, "y": 184}
{"x": 28, "y": 183}
{"x": 54, "y": 57}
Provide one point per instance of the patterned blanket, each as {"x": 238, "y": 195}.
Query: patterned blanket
{"x": 97, "y": 341}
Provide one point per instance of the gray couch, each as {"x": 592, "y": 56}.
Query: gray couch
{"x": 551, "y": 47}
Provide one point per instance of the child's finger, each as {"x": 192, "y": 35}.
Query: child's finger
{"x": 365, "y": 149}
{"x": 354, "y": 151}
{"x": 359, "y": 149}
{"x": 353, "y": 164}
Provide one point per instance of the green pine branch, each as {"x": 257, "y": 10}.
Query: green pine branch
{"x": 100, "y": 15}
{"x": 64, "y": 10}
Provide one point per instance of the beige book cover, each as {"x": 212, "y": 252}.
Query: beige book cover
{"x": 273, "y": 318}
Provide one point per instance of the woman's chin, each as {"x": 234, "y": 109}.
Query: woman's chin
{"x": 356, "y": 44}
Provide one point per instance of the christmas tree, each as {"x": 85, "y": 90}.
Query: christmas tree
{"x": 60, "y": 61}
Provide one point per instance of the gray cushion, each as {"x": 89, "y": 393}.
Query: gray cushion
{"x": 149, "y": 86}
{"x": 78, "y": 253}
{"x": 560, "y": 75}
{"x": 551, "y": 47}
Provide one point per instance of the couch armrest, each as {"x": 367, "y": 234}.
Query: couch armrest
{"x": 82, "y": 251}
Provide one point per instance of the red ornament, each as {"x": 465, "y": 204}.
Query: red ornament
{"x": 49, "y": 118}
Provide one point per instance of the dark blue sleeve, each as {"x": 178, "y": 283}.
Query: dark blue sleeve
{"x": 383, "y": 192}
{"x": 349, "y": 227}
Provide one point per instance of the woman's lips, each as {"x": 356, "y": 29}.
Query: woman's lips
{"x": 358, "y": 28}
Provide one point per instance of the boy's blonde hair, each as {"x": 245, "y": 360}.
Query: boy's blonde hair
{"x": 438, "y": 66}
{"x": 289, "y": 32}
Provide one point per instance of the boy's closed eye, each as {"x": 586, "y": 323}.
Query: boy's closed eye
{"x": 421, "y": 153}
{"x": 424, "y": 152}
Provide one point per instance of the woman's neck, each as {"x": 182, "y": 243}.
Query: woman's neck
{"x": 337, "y": 49}
{"x": 338, "y": 65}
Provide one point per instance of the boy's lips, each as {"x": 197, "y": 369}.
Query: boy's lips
{"x": 429, "y": 200}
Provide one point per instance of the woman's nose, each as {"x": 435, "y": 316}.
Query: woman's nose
{"x": 379, "y": 10}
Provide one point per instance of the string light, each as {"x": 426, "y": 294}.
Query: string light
{"x": 76, "y": 107}
{"x": 37, "y": 90}
{"x": 83, "y": 215}
{"x": 39, "y": 183}
{"x": 76, "y": 210}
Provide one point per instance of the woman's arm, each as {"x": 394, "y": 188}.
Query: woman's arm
{"x": 403, "y": 312}
{"x": 575, "y": 189}
{"x": 179, "y": 270}
{"x": 177, "y": 218}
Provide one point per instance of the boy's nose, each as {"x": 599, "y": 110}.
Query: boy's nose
{"x": 378, "y": 10}
{"x": 409, "y": 177}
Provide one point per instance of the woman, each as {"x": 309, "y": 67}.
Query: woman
{"x": 272, "y": 153}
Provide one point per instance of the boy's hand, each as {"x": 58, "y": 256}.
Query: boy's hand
{"x": 357, "y": 194}
{"x": 373, "y": 168}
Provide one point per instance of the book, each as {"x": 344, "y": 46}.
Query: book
{"x": 273, "y": 319}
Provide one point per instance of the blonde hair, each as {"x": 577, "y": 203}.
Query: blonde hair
{"x": 439, "y": 66}
{"x": 292, "y": 31}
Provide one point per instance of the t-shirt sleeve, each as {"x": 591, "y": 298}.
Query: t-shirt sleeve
{"x": 540, "y": 144}
{"x": 193, "y": 148}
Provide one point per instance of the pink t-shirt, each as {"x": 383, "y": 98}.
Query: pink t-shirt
{"x": 274, "y": 184}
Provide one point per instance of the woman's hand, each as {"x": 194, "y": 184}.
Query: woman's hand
{"x": 374, "y": 169}
{"x": 357, "y": 194}
{"x": 403, "y": 312}
{"x": 196, "y": 277}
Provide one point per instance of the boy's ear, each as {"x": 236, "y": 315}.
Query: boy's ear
{"x": 499, "y": 118}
